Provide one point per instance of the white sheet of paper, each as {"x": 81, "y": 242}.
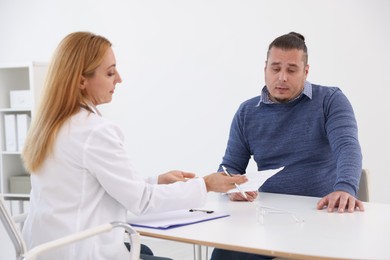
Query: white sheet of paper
{"x": 256, "y": 179}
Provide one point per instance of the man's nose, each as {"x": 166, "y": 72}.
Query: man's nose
{"x": 282, "y": 77}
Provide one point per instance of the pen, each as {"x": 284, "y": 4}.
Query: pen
{"x": 235, "y": 184}
{"x": 202, "y": 210}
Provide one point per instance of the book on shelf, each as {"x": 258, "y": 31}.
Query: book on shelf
{"x": 22, "y": 125}
{"x": 16, "y": 128}
{"x": 10, "y": 133}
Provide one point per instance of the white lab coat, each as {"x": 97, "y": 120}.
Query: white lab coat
{"x": 89, "y": 180}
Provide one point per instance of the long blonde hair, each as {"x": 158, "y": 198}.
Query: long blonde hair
{"x": 78, "y": 54}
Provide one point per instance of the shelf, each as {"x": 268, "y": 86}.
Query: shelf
{"x": 18, "y": 196}
{"x": 11, "y": 153}
{"x": 15, "y": 109}
{"x": 22, "y": 65}
{"x": 20, "y": 76}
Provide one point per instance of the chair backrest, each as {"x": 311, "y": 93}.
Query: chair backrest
{"x": 22, "y": 253}
{"x": 12, "y": 230}
{"x": 363, "y": 193}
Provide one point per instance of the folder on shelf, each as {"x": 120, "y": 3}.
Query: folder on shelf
{"x": 22, "y": 125}
{"x": 173, "y": 219}
{"x": 10, "y": 133}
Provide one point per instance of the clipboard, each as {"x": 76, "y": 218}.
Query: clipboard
{"x": 174, "y": 219}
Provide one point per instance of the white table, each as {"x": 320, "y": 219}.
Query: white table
{"x": 322, "y": 235}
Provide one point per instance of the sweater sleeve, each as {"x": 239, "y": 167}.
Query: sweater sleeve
{"x": 342, "y": 132}
{"x": 237, "y": 152}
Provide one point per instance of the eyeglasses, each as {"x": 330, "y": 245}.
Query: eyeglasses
{"x": 263, "y": 211}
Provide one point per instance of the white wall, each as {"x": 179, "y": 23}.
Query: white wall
{"x": 187, "y": 65}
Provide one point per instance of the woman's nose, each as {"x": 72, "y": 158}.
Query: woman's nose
{"x": 119, "y": 78}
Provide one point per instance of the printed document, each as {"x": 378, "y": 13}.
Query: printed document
{"x": 256, "y": 180}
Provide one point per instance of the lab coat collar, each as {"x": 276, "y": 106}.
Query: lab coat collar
{"x": 93, "y": 108}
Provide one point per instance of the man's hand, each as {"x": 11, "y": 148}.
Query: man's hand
{"x": 237, "y": 196}
{"x": 341, "y": 200}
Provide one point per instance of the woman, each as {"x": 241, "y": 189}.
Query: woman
{"x": 80, "y": 172}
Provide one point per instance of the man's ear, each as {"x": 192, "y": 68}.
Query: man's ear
{"x": 83, "y": 82}
{"x": 306, "y": 70}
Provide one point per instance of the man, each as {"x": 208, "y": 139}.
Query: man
{"x": 309, "y": 129}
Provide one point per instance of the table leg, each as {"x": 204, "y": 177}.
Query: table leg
{"x": 197, "y": 252}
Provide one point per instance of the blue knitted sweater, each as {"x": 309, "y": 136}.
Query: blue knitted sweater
{"x": 315, "y": 137}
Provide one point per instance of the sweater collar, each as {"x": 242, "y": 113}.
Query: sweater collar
{"x": 307, "y": 91}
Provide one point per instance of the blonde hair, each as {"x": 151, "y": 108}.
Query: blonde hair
{"x": 78, "y": 54}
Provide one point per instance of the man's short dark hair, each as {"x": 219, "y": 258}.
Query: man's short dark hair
{"x": 290, "y": 41}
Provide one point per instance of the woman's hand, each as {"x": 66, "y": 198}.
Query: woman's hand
{"x": 174, "y": 176}
{"x": 220, "y": 182}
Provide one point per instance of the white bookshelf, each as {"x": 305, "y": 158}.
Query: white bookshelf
{"x": 14, "y": 77}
